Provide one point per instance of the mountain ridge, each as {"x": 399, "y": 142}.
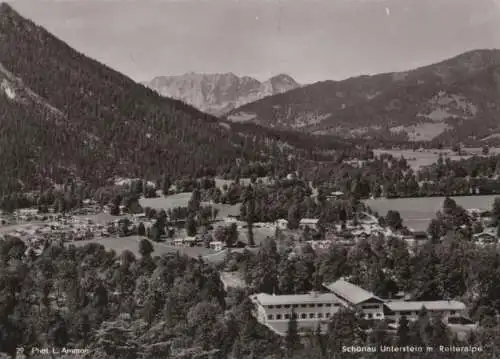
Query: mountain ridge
{"x": 218, "y": 93}
{"x": 67, "y": 116}
{"x": 147, "y": 136}
{"x": 350, "y": 106}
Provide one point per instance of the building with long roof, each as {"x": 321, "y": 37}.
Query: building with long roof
{"x": 355, "y": 297}
{"x": 314, "y": 310}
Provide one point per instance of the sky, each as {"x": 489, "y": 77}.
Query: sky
{"x": 311, "y": 40}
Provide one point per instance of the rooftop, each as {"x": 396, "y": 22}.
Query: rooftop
{"x": 350, "y": 292}
{"x": 268, "y": 299}
{"x": 309, "y": 220}
{"x": 398, "y": 306}
{"x": 337, "y": 193}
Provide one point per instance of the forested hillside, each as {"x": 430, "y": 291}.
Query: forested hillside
{"x": 456, "y": 99}
{"x": 64, "y": 114}
{"x": 122, "y": 306}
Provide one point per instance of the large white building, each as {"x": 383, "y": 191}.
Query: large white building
{"x": 446, "y": 308}
{"x": 311, "y": 310}
{"x": 314, "y": 310}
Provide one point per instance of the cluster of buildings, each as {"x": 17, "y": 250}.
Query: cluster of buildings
{"x": 488, "y": 235}
{"x": 314, "y": 309}
{"x": 366, "y": 226}
{"x": 55, "y": 227}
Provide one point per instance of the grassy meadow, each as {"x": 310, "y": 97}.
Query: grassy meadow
{"x": 418, "y": 159}
{"x": 417, "y": 212}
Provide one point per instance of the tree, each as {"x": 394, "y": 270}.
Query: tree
{"x": 435, "y": 229}
{"x": 165, "y": 185}
{"x": 195, "y": 201}
{"x": 292, "y": 339}
{"x": 232, "y": 235}
{"x": 58, "y": 333}
{"x": 249, "y": 205}
{"x": 293, "y": 216}
{"x": 394, "y": 220}
{"x": 495, "y": 211}
{"x": 114, "y": 210}
{"x": 141, "y": 229}
{"x": 215, "y": 212}
{"x": 449, "y": 206}
{"x": 191, "y": 226}
{"x": 116, "y": 339}
{"x": 155, "y": 233}
{"x": 403, "y": 334}
{"x": 380, "y": 337}
{"x": 345, "y": 330}
{"x": 251, "y": 240}
{"x": 146, "y": 248}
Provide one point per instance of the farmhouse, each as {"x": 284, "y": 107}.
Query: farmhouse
{"x": 485, "y": 238}
{"x": 312, "y": 223}
{"x": 185, "y": 242}
{"x": 217, "y": 245}
{"x": 281, "y": 223}
{"x": 335, "y": 196}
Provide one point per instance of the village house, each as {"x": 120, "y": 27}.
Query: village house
{"x": 485, "y": 238}
{"x": 312, "y": 223}
{"x": 321, "y": 245}
{"x": 217, "y": 245}
{"x": 186, "y": 241}
{"x": 335, "y": 196}
{"x": 281, "y": 223}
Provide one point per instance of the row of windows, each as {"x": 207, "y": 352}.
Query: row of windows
{"x": 409, "y": 312}
{"x": 311, "y": 305}
{"x": 371, "y": 316}
{"x": 302, "y": 316}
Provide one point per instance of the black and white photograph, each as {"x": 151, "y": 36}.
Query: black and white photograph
{"x": 250, "y": 179}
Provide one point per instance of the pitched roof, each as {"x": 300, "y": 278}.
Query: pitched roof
{"x": 350, "y": 292}
{"x": 309, "y": 220}
{"x": 268, "y": 299}
{"x": 398, "y": 306}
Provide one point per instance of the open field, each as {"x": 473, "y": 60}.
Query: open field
{"x": 101, "y": 218}
{"x": 418, "y": 212}
{"x": 20, "y": 225}
{"x": 131, "y": 243}
{"x": 417, "y": 159}
{"x": 182, "y": 199}
{"x": 259, "y": 234}
{"x": 166, "y": 203}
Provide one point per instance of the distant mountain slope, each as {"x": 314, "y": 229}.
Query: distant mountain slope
{"x": 64, "y": 115}
{"x": 219, "y": 93}
{"x": 458, "y": 99}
